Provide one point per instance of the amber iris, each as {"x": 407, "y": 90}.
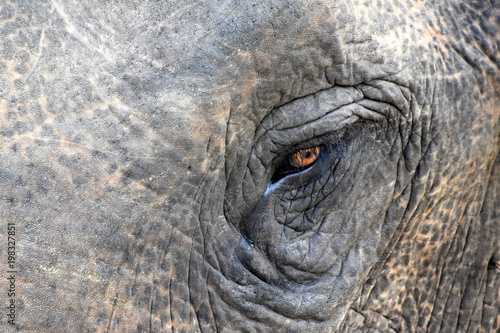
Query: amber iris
{"x": 305, "y": 157}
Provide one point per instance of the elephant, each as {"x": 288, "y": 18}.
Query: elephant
{"x": 250, "y": 166}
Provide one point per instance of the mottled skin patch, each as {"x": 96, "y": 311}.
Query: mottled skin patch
{"x": 138, "y": 141}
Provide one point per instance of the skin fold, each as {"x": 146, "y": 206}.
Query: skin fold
{"x": 149, "y": 163}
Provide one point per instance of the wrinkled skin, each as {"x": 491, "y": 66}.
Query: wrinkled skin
{"x": 140, "y": 143}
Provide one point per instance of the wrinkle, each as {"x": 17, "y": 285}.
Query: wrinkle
{"x": 79, "y": 34}
{"x": 443, "y": 282}
{"x": 262, "y": 129}
{"x": 40, "y": 49}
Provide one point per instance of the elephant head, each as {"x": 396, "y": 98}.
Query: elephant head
{"x": 250, "y": 166}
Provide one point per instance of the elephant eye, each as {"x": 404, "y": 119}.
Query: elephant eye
{"x": 304, "y": 158}
{"x": 297, "y": 162}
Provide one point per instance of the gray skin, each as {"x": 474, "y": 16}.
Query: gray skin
{"x": 141, "y": 149}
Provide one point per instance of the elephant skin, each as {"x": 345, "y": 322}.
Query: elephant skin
{"x": 146, "y": 152}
